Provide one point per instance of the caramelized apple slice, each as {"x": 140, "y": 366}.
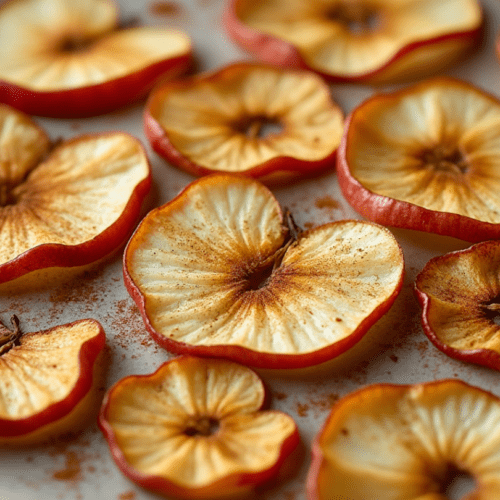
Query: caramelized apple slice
{"x": 67, "y": 58}
{"x": 459, "y": 293}
{"x": 219, "y": 272}
{"x": 68, "y": 206}
{"x": 366, "y": 41}
{"x": 426, "y": 158}
{"x": 194, "y": 429}
{"x": 408, "y": 443}
{"x": 48, "y": 380}
{"x": 265, "y": 122}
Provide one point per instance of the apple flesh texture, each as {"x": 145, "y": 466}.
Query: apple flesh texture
{"x": 217, "y": 122}
{"x": 459, "y": 293}
{"x": 404, "y": 442}
{"x": 71, "y": 60}
{"x": 212, "y": 275}
{"x": 424, "y": 158}
{"x": 375, "y": 42}
{"x": 49, "y": 381}
{"x": 196, "y": 429}
{"x": 68, "y": 206}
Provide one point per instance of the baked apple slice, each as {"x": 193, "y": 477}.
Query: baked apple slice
{"x": 69, "y": 58}
{"x": 460, "y": 297}
{"x": 221, "y": 271}
{"x": 408, "y": 443}
{"x": 365, "y": 41}
{"x": 49, "y": 380}
{"x": 67, "y": 205}
{"x": 195, "y": 429}
{"x": 427, "y": 158}
{"x": 273, "y": 124}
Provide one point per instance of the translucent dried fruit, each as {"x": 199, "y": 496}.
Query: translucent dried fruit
{"x": 66, "y": 206}
{"x": 367, "y": 41}
{"x": 268, "y": 123}
{"x": 408, "y": 443}
{"x": 195, "y": 429}
{"x": 219, "y": 271}
{"x": 68, "y": 58}
{"x": 460, "y": 296}
{"x": 48, "y": 380}
{"x": 426, "y": 158}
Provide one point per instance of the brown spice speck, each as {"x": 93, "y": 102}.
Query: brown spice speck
{"x": 327, "y": 202}
{"x": 72, "y": 469}
{"x": 165, "y": 8}
{"x": 302, "y": 409}
{"x": 127, "y": 495}
{"x": 280, "y": 396}
{"x": 393, "y": 358}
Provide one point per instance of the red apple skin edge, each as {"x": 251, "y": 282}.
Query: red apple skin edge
{"x": 397, "y": 213}
{"x": 249, "y": 357}
{"x": 236, "y": 484}
{"x": 89, "y": 351}
{"x": 282, "y": 53}
{"x": 317, "y": 456}
{"x": 95, "y": 99}
{"x": 58, "y": 255}
{"x": 484, "y": 357}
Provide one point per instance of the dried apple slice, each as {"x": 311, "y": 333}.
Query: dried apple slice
{"x": 68, "y": 58}
{"x": 460, "y": 297}
{"x": 426, "y": 158}
{"x": 219, "y": 272}
{"x": 366, "y": 41}
{"x": 408, "y": 442}
{"x": 49, "y": 380}
{"x": 67, "y": 206}
{"x": 195, "y": 429}
{"x": 268, "y": 123}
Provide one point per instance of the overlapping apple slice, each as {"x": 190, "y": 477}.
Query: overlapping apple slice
{"x": 408, "y": 443}
{"x": 49, "y": 380}
{"x": 366, "y": 41}
{"x": 69, "y": 58}
{"x": 268, "y": 123}
{"x": 66, "y": 206}
{"x": 219, "y": 271}
{"x": 427, "y": 158}
{"x": 460, "y": 296}
{"x": 195, "y": 429}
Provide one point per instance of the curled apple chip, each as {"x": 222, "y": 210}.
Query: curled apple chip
{"x": 68, "y": 58}
{"x": 49, "y": 380}
{"x": 195, "y": 429}
{"x": 426, "y": 158}
{"x": 366, "y": 41}
{"x": 69, "y": 205}
{"x": 268, "y": 123}
{"x": 460, "y": 297}
{"x": 408, "y": 443}
{"x": 219, "y": 271}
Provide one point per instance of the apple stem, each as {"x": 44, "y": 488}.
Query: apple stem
{"x": 9, "y": 338}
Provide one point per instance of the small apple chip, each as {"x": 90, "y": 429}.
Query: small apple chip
{"x": 69, "y": 58}
{"x": 48, "y": 380}
{"x": 66, "y": 206}
{"x": 195, "y": 429}
{"x": 408, "y": 442}
{"x": 272, "y": 124}
{"x": 220, "y": 271}
{"x": 460, "y": 297}
{"x": 426, "y": 157}
{"x": 364, "y": 41}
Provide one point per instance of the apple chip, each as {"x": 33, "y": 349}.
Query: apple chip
{"x": 68, "y": 58}
{"x": 426, "y": 158}
{"x": 69, "y": 205}
{"x": 268, "y": 123}
{"x": 195, "y": 429}
{"x": 48, "y": 380}
{"x": 460, "y": 297}
{"x": 366, "y": 41}
{"x": 408, "y": 442}
{"x": 219, "y": 271}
